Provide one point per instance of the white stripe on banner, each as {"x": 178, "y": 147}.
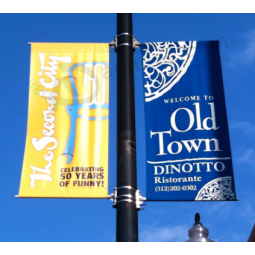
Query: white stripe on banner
{"x": 187, "y": 159}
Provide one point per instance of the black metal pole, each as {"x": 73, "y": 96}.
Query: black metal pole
{"x": 126, "y": 218}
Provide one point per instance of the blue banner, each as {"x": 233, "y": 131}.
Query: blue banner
{"x": 188, "y": 155}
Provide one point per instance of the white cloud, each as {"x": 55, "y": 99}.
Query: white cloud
{"x": 247, "y": 210}
{"x": 247, "y": 157}
{"x": 245, "y": 127}
{"x": 249, "y": 50}
{"x": 165, "y": 234}
{"x": 246, "y": 54}
{"x": 219, "y": 207}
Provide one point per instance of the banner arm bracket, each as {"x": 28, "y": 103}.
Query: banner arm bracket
{"x": 114, "y": 42}
{"x": 128, "y": 197}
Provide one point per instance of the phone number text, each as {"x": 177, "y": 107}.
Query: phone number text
{"x": 175, "y": 188}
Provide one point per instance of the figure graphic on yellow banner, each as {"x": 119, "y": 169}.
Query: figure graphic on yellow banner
{"x": 73, "y": 110}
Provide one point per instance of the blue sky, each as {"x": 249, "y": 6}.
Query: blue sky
{"x": 94, "y": 220}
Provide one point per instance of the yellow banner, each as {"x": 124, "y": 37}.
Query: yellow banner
{"x": 66, "y": 152}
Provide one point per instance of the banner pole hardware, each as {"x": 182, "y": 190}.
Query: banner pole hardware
{"x": 138, "y": 199}
{"x": 114, "y": 42}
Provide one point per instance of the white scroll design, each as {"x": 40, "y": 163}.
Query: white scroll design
{"x": 217, "y": 189}
{"x": 164, "y": 64}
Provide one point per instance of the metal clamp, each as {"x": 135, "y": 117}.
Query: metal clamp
{"x": 124, "y": 34}
{"x": 114, "y": 43}
{"x": 138, "y": 199}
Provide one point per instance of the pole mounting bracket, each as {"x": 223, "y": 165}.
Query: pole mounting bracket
{"x": 138, "y": 199}
{"x": 114, "y": 42}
